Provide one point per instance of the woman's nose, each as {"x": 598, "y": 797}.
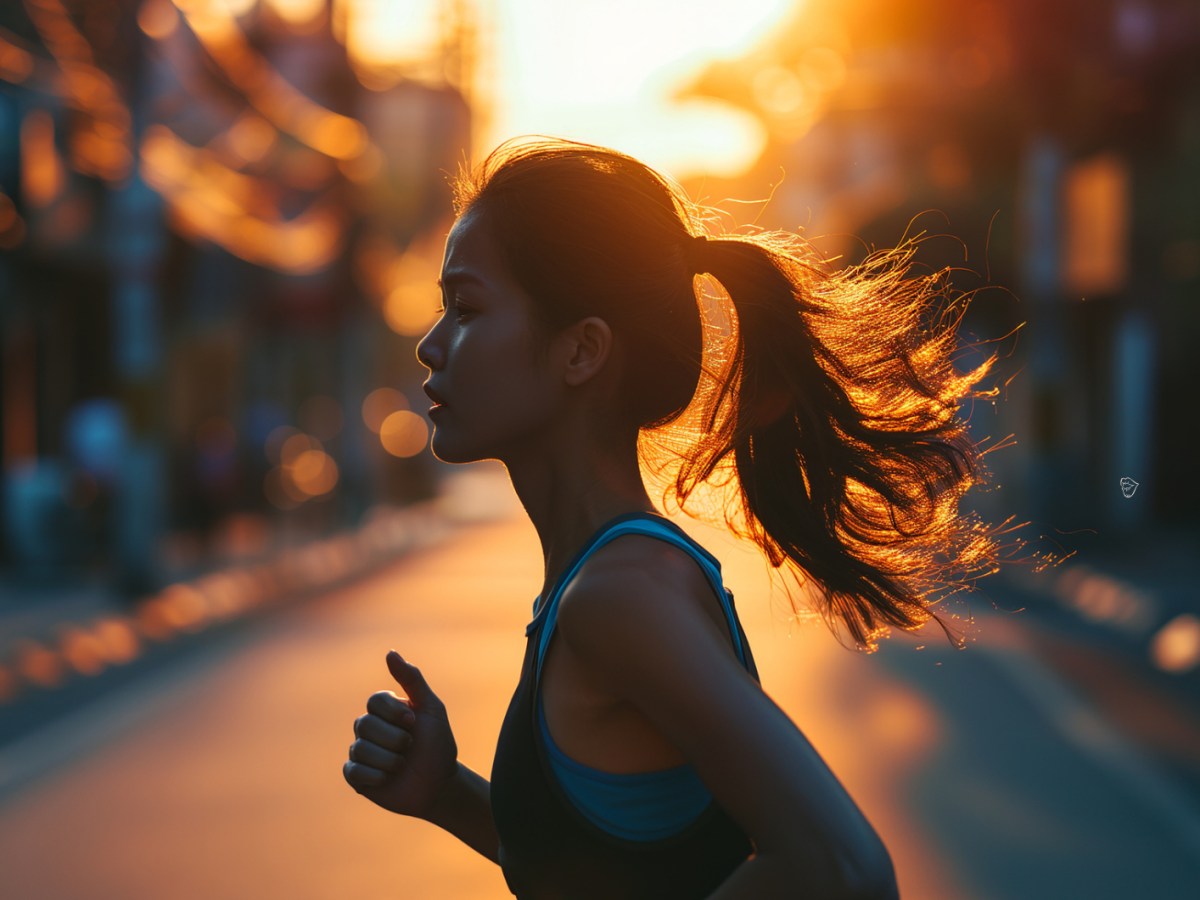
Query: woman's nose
{"x": 428, "y": 353}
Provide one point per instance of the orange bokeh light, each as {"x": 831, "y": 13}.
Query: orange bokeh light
{"x": 313, "y": 472}
{"x": 379, "y": 404}
{"x": 158, "y": 19}
{"x": 82, "y": 651}
{"x": 404, "y": 434}
{"x": 38, "y": 663}
{"x": 42, "y": 174}
{"x": 15, "y": 64}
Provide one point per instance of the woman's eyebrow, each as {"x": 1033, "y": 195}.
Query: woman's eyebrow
{"x": 458, "y": 276}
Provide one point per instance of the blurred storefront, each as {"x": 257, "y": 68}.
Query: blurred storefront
{"x": 220, "y": 227}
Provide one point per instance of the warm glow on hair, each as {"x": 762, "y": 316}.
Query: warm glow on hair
{"x": 814, "y": 411}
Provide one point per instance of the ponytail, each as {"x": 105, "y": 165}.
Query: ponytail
{"x": 821, "y": 405}
{"x": 836, "y": 414}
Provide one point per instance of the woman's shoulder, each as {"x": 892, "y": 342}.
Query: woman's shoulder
{"x": 640, "y": 557}
{"x": 637, "y": 568}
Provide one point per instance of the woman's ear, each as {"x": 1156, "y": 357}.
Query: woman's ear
{"x": 584, "y": 347}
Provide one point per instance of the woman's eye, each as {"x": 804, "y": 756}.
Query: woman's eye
{"x": 456, "y": 306}
{"x": 460, "y": 312}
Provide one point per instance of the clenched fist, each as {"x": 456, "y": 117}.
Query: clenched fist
{"x": 405, "y": 751}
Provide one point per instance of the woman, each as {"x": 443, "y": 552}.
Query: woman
{"x": 640, "y": 757}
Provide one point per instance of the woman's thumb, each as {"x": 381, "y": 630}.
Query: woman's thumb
{"x": 409, "y": 676}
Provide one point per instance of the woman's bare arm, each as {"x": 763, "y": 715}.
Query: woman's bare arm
{"x": 641, "y": 629}
{"x": 464, "y": 808}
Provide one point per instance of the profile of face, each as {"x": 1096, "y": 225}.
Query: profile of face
{"x": 496, "y": 396}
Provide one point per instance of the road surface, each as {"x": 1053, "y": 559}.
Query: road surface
{"x": 987, "y": 776}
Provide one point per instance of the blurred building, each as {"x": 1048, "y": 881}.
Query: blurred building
{"x": 1059, "y": 146}
{"x": 220, "y": 226}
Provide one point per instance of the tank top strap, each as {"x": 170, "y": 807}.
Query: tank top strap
{"x": 652, "y": 526}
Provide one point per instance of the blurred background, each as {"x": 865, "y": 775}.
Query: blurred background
{"x": 221, "y": 222}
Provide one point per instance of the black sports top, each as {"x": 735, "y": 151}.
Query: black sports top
{"x": 549, "y": 848}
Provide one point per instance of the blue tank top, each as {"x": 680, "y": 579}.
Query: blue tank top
{"x": 643, "y": 806}
{"x": 570, "y": 831}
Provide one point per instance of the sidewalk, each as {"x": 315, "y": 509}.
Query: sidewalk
{"x": 60, "y": 639}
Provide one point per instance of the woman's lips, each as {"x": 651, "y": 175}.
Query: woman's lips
{"x": 433, "y": 395}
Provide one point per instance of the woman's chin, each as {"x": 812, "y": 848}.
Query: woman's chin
{"x": 448, "y": 453}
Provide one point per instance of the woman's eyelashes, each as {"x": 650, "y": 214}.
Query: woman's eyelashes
{"x": 460, "y": 312}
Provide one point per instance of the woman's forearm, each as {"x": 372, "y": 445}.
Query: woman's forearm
{"x": 465, "y": 810}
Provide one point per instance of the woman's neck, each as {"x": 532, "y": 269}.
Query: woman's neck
{"x": 568, "y": 498}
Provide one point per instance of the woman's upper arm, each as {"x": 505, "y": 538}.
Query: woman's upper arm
{"x": 642, "y": 631}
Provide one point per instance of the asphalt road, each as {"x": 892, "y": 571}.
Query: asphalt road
{"x": 988, "y": 775}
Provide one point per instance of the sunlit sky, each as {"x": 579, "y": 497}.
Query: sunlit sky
{"x": 603, "y": 70}
{"x": 593, "y": 70}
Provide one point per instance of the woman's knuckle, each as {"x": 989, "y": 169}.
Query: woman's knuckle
{"x": 392, "y": 739}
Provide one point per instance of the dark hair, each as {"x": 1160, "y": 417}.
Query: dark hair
{"x": 827, "y": 397}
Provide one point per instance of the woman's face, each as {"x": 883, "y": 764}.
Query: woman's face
{"x": 495, "y": 396}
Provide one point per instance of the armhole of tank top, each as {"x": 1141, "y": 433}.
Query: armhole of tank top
{"x": 663, "y": 531}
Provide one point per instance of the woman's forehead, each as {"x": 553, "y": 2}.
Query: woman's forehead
{"x": 472, "y": 255}
{"x": 469, "y": 243}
